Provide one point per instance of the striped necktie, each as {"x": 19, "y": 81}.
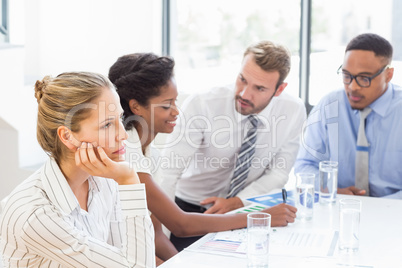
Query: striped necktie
{"x": 244, "y": 158}
{"x": 362, "y": 154}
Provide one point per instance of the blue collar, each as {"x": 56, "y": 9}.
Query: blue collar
{"x": 380, "y": 106}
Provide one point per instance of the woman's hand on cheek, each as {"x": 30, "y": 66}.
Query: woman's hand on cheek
{"x": 95, "y": 162}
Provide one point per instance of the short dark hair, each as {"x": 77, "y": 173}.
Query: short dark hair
{"x": 371, "y": 42}
{"x": 140, "y": 76}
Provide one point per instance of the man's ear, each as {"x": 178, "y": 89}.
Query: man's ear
{"x": 280, "y": 89}
{"x": 390, "y": 74}
{"x": 67, "y": 138}
{"x": 135, "y": 107}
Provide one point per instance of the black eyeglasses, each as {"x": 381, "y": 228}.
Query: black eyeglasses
{"x": 361, "y": 80}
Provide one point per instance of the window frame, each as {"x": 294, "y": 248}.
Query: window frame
{"x": 166, "y": 24}
{"x": 4, "y": 21}
{"x": 304, "y": 50}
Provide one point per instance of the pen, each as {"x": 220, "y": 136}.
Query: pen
{"x": 284, "y": 195}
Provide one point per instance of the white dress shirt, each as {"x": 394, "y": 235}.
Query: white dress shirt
{"x": 146, "y": 162}
{"x": 42, "y": 224}
{"x": 134, "y": 154}
{"x": 202, "y": 149}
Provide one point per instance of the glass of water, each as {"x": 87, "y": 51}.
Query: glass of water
{"x": 305, "y": 195}
{"x": 328, "y": 181}
{"x": 349, "y": 224}
{"x": 258, "y": 229}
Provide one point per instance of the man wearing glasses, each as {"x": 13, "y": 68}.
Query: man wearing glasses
{"x": 360, "y": 126}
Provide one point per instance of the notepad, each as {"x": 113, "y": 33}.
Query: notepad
{"x": 283, "y": 242}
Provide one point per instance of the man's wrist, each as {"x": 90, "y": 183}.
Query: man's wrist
{"x": 238, "y": 203}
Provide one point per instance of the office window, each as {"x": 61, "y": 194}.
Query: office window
{"x": 4, "y": 21}
{"x": 335, "y": 23}
{"x": 208, "y": 38}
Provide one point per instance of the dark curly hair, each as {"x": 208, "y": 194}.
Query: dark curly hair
{"x": 140, "y": 76}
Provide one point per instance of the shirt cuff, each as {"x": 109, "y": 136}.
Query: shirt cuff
{"x": 133, "y": 200}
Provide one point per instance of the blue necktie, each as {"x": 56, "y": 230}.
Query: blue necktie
{"x": 244, "y": 158}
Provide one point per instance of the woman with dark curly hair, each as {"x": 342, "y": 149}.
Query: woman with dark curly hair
{"x": 146, "y": 85}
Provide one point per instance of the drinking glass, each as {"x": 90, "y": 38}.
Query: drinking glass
{"x": 258, "y": 229}
{"x": 349, "y": 222}
{"x": 305, "y": 195}
{"x": 328, "y": 181}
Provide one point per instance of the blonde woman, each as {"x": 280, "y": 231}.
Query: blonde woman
{"x": 85, "y": 207}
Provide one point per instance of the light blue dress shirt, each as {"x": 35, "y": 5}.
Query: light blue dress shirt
{"x": 330, "y": 133}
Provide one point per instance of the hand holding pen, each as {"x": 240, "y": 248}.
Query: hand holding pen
{"x": 284, "y": 195}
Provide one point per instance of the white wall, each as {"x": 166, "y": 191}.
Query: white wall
{"x": 55, "y": 36}
{"x": 18, "y": 109}
{"x": 87, "y": 35}
{"x": 11, "y": 174}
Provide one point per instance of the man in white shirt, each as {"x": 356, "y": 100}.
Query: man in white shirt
{"x": 205, "y": 145}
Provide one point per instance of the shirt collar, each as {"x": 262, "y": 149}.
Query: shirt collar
{"x": 94, "y": 185}
{"x": 57, "y": 188}
{"x": 381, "y": 105}
{"x": 134, "y": 141}
{"x": 148, "y": 151}
{"x": 262, "y": 116}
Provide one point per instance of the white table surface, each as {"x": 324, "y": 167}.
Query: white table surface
{"x": 380, "y": 240}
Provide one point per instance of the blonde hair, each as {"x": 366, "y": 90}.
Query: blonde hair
{"x": 271, "y": 57}
{"x": 58, "y": 99}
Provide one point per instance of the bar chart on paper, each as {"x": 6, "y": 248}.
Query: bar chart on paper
{"x": 274, "y": 199}
{"x": 232, "y": 243}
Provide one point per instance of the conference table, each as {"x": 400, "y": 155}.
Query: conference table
{"x": 380, "y": 241}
